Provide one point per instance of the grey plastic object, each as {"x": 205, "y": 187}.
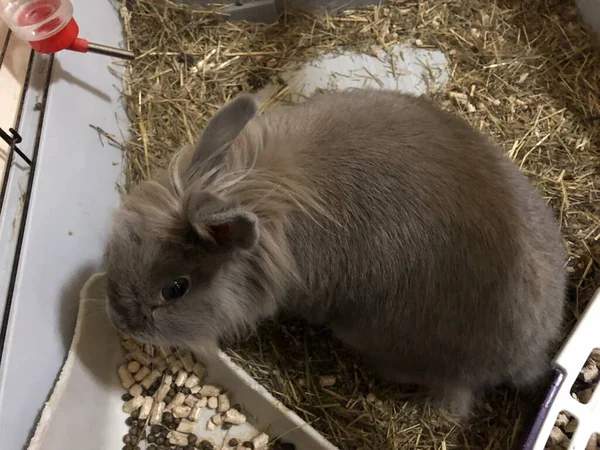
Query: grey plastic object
{"x": 89, "y": 388}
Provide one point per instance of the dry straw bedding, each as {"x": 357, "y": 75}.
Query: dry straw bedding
{"x": 526, "y": 73}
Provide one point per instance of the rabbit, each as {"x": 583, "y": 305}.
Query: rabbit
{"x": 417, "y": 241}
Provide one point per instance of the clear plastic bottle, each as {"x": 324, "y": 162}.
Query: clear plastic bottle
{"x": 36, "y": 20}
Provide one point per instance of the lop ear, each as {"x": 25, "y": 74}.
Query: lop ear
{"x": 221, "y": 222}
{"x": 223, "y": 129}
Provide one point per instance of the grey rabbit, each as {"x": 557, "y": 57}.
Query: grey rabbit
{"x": 406, "y": 231}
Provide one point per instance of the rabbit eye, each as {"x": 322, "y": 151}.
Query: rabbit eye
{"x": 176, "y": 289}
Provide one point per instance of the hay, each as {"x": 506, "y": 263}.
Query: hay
{"x": 526, "y": 74}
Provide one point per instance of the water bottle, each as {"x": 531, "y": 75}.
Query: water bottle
{"x": 49, "y": 27}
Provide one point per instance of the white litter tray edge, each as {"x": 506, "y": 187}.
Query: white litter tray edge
{"x": 85, "y": 407}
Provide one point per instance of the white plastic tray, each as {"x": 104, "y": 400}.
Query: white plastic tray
{"x": 85, "y": 408}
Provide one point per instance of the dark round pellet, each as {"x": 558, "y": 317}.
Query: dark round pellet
{"x": 127, "y": 447}
{"x": 168, "y": 399}
{"x": 185, "y": 390}
{"x": 155, "y": 429}
{"x": 233, "y": 442}
{"x": 205, "y": 445}
{"x": 177, "y": 421}
{"x": 126, "y": 439}
{"x": 192, "y": 438}
{"x": 248, "y": 444}
{"x": 151, "y": 439}
{"x": 190, "y": 447}
{"x": 130, "y": 422}
{"x": 126, "y": 397}
{"x": 167, "y": 417}
{"x": 172, "y": 392}
{"x": 136, "y": 414}
{"x": 284, "y": 446}
{"x": 160, "y": 440}
{"x": 164, "y": 432}
{"x": 134, "y": 431}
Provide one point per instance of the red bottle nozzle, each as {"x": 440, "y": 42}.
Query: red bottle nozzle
{"x": 66, "y": 39}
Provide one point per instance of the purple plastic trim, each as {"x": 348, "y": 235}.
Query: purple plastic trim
{"x": 534, "y": 432}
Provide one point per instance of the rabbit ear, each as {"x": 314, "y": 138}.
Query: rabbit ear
{"x": 222, "y": 222}
{"x": 223, "y": 129}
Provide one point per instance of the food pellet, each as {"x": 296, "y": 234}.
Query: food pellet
{"x": 195, "y": 413}
{"x": 589, "y": 373}
{"x": 234, "y": 417}
{"x": 202, "y": 402}
{"x": 182, "y": 376}
{"x": 175, "y": 367}
{"x": 222, "y": 403}
{"x": 217, "y": 420}
{"x": 195, "y": 389}
{"x": 130, "y": 345}
{"x": 233, "y": 442}
{"x": 205, "y": 445}
{"x": 561, "y": 420}
{"x": 586, "y": 395}
{"x": 133, "y": 404}
{"x": 212, "y": 403}
{"x": 260, "y": 441}
{"x": 150, "y": 379}
{"x": 159, "y": 363}
{"x": 136, "y": 390}
{"x": 210, "y": 391}
{"x": 210, "y": 425}
{"x": 327, "y": 381}
{"x": 192, "y": 438}
{"x": 248, "y": 444}
{"x": 191, "y": 401}
{"x": 186, "y": 426}
{"x": 146, "y": 408}
{"x": 177, "y": 438}
{"x": 127, "y": 379}
{"x": 192, "y": 381}
{"x": 141, "y": 358}
{"x": 592, "y": 443}
{"x": 133, "y": 366}
{"x": 141, "y": 374}
{"x": 157, "y": 412}
{"x": 164, "y": 388}
{"x": 557, "y": 436}
{"x": 177, "y": 401}
{"x": 199, "y": 370}
{"x": 127, "y": 396}
{"x": 181, "y": 412}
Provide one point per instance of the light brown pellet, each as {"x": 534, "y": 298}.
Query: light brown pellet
{"x": 327, "y": 381}
{"x": 177, "y": 401}
{"x": 182, "y": 376}
{"x": 192, "y": 381}
{"x": 133, "y": 366}
{"x": 195, "y": 389}
{"x": 195, "y": 413}
{"x": 177, "y": 438}
{"x": 150, "y": 379}
{"x": 181, "y": 412}
{"x": 212, "y": 403}
{"x": 199, "y": 370}
{"x": 210, "y": 391}
{"x": 187, "y": 361}
{"x": 186, "y": 426}
{"x": 557, "y": 436}
{"x": 136, "y": 390}
{"x": 590, "y": 373}
{"x": 191, "y": 401}
{"x": 233, "y": 416}
{"x": 202, "y": 402}
{"x": 141, "y": 358}
{"x": 146, "y": 408}
{"x": 141, "y": 374}
{"x": 127, "y": 379}
{"x": 223, "y": 403}
{"x": 164, "y": 388}
{"x": 260, "y": 441}
{"x": 133, "y": 404}
{"x": 157, "y": 412}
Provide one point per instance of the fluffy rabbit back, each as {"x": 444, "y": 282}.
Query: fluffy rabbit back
{"x": 446, "y": 265}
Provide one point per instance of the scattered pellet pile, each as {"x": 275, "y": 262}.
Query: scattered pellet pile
{"x": 582, "y": 390}
{"x": 165, "y": 399}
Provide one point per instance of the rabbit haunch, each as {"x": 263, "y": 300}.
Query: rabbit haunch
{"x": 395, "y": 223}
